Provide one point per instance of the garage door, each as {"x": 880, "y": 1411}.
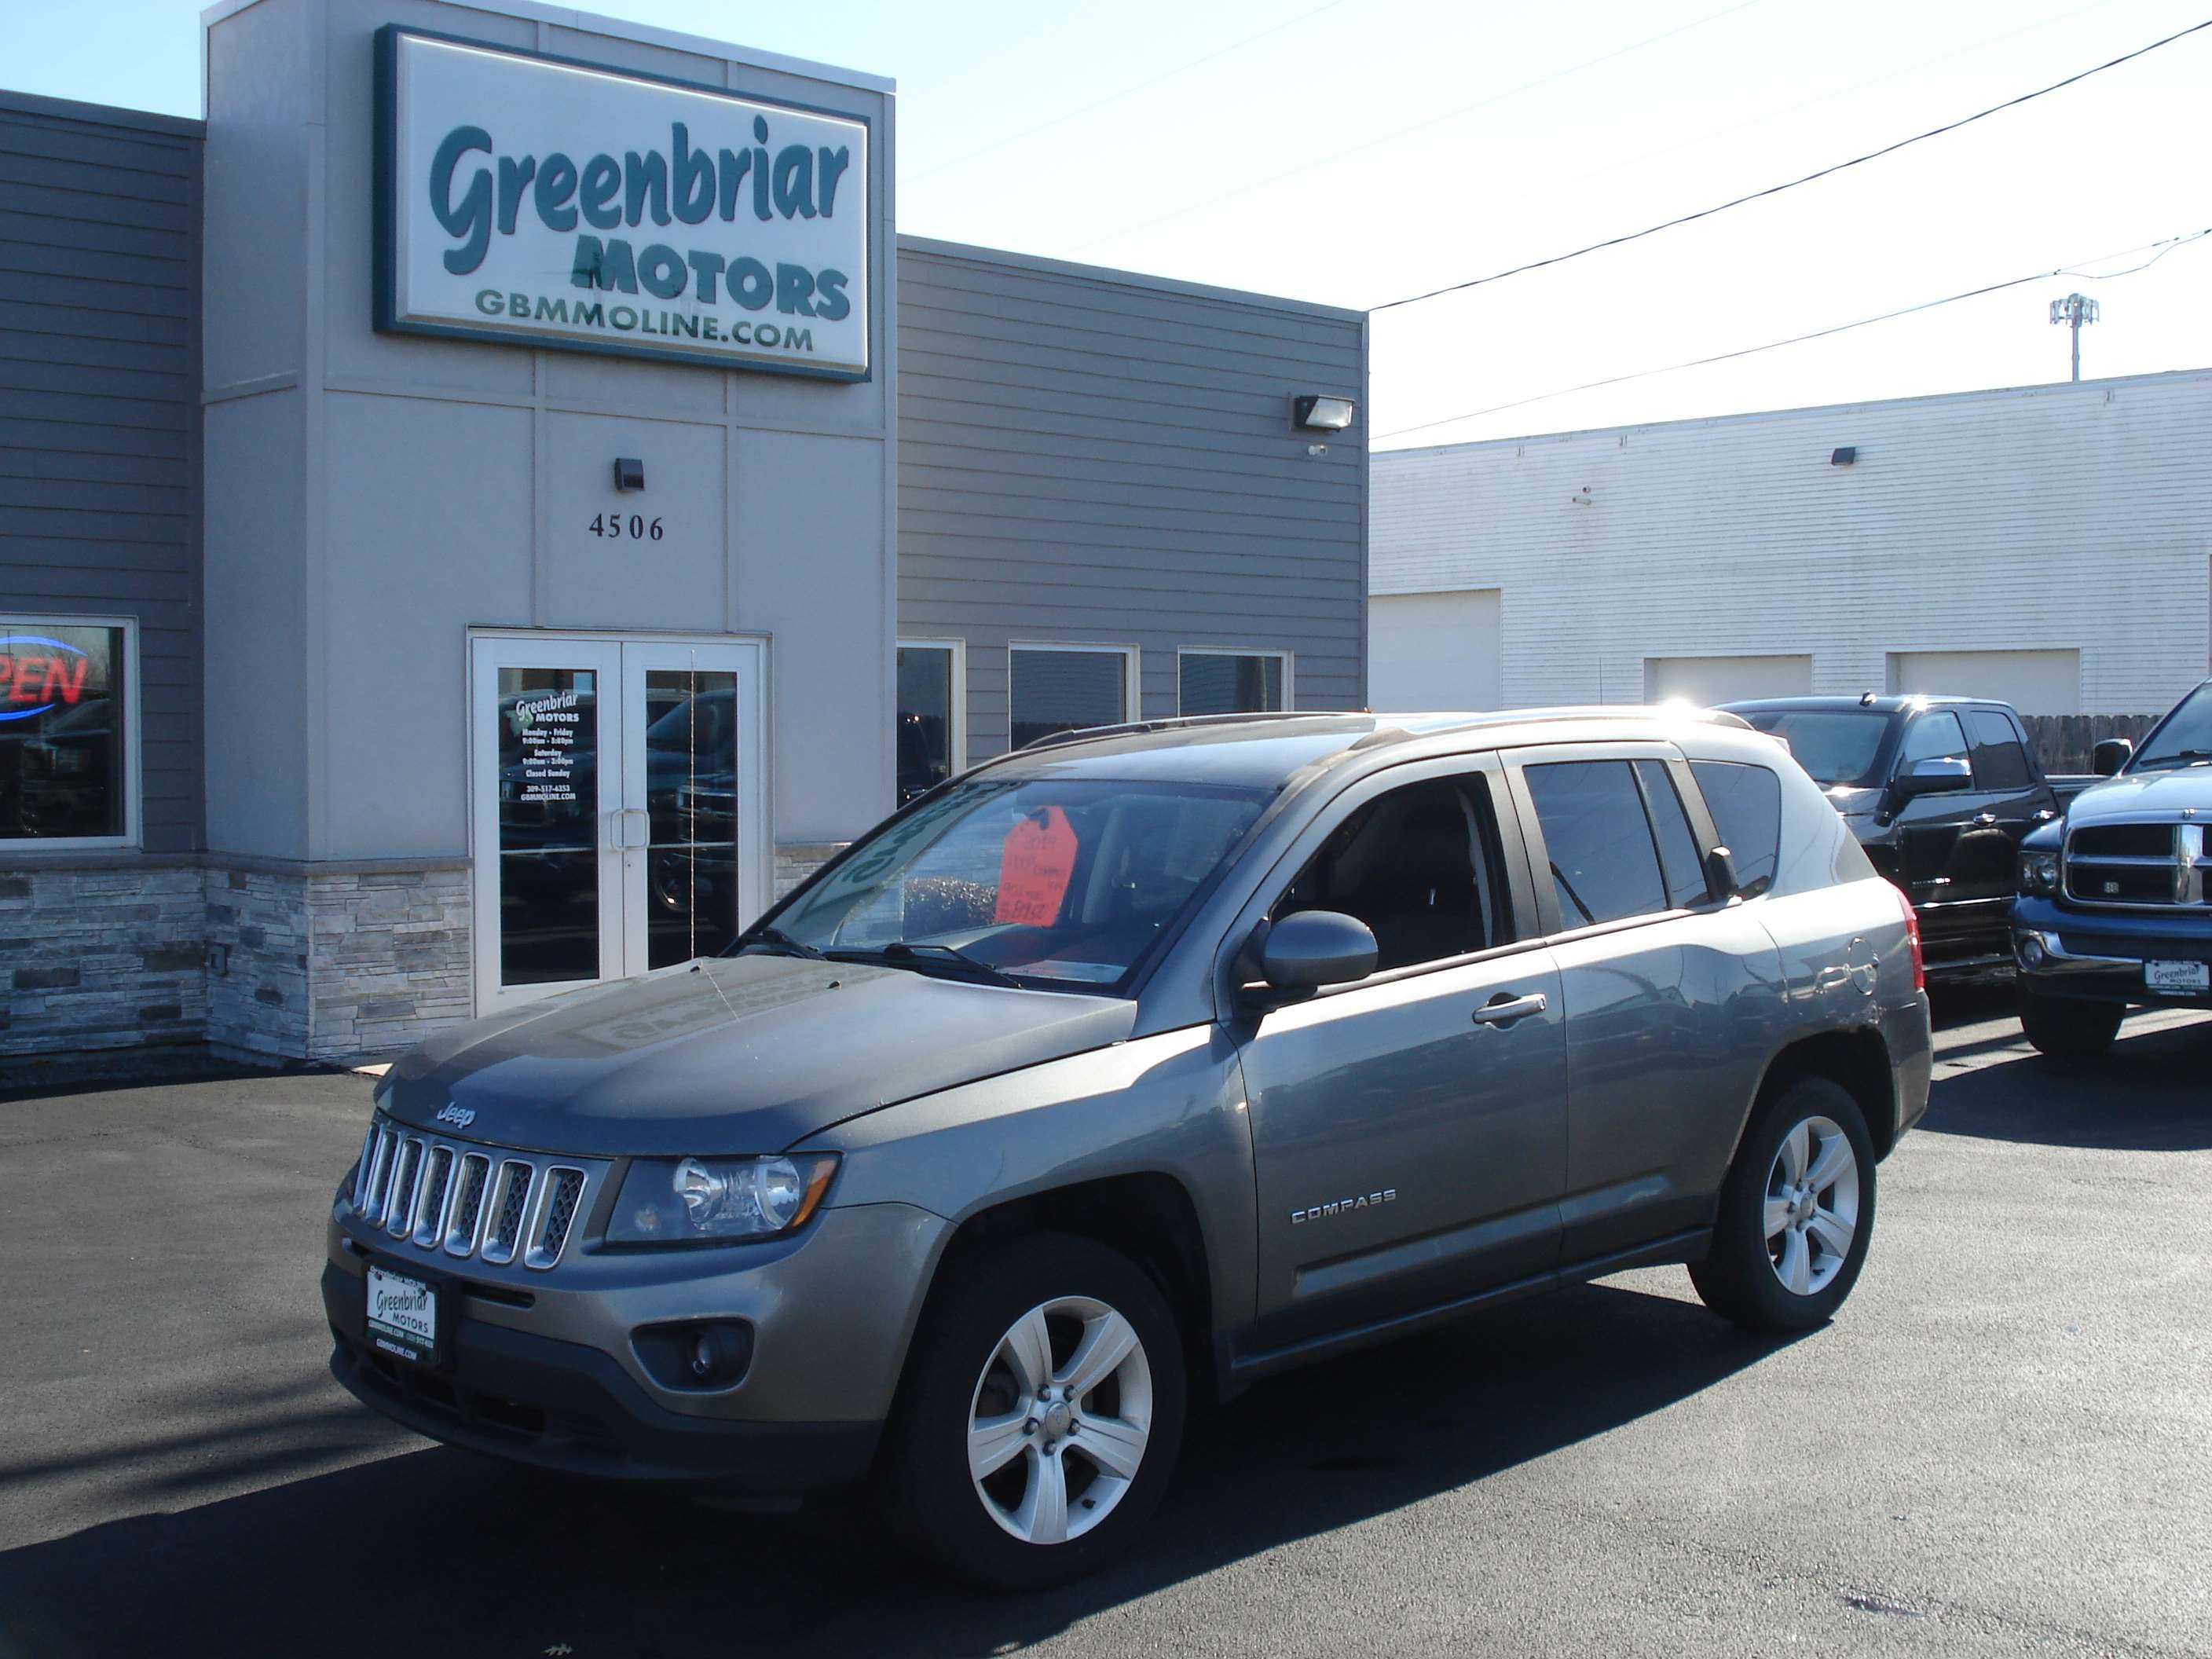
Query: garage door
{"x": 1434, "y": 651}
{"x": 1708, "y": 680}
{"x": 2034, "y": 682}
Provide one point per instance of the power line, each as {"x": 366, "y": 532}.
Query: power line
{"x": 2165, "y": 247}
{"x": 1065, "y": 116}
{"x": 1418, "y": 126}
{"x": 1776, "y": 190}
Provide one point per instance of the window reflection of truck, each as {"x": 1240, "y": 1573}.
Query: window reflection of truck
{"x": 57, "y": 774}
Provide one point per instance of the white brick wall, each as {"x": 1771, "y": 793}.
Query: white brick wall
{"x": 2052, "y": 517}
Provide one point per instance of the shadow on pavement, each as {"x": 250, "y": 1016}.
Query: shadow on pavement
{"x": 2148, "y": 1094}
{"x": 438, "y": 1552}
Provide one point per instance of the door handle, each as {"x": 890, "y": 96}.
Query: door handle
{"x": 1504, "y": 1008}
{"x": 618, "y": 839}
{"x": 2044, "y": 815}
{"x": 1983, "y": 820}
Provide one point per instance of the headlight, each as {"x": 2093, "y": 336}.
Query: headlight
{"x": 686, "y": 1200}
{"x": 2039, "y": 874}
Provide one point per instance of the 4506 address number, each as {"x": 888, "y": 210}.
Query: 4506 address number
{"x": 613, "y": 527}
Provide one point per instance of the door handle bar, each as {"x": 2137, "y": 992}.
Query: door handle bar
{"x": 1506, "y": 1011}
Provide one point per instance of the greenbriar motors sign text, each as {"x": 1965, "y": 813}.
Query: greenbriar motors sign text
{"x": 543, "y": 203}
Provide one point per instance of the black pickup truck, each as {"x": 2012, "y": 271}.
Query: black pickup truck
{"x": 2115, "y": 905}
{"x": 1941, "y": 792}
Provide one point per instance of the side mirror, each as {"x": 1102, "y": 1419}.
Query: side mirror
{"x": 1309, "y": 949}
{"x": 1722, "y": 883}
{"x": 1935, "y": 774}
{"x": 2110, "y": 754}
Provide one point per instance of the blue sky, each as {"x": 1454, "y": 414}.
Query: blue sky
{"x": 1361, "y": 150}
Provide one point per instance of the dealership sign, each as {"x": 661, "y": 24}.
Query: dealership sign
{"x": 545, "y": 203}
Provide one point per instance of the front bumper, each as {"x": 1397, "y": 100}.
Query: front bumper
{"x": 2098, "y": 956}
{"x": 542, "y": 1368}
{"x": 560, "y": 1406}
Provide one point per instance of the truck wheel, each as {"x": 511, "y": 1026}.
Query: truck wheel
{"x": 1796, "y": 1212}
{"x": 1041, "y": 1415}
{"x": 2065, "y": 1028}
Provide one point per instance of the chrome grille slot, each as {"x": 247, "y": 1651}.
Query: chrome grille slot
{"x": 565, "y": 1192}
{"x": 468, "y": 1204}
{"x": 512, "y": 1195}
{"x": 407, "y": 1166}
{"x": 379, "y": 1177}
{"x": 367, "y": 1167}
{"x": 437, "y": 1188}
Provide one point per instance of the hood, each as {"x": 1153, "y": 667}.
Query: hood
{"x": 740, "y": 1055}
{"x": 2167, "y": 793}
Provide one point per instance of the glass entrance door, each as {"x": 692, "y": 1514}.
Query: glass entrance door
{"x": 620, "y": 820}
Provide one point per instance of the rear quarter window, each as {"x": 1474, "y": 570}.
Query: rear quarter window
{"x": 1746, "y": 802}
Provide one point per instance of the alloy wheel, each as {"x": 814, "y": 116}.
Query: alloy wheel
{"x": 1811, "y": 1211}
{"x": 1060, "y": 1419}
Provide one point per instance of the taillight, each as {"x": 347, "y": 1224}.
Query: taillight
{"x": 1912, "y": 938}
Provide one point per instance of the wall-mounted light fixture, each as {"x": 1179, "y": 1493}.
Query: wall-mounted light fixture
{"x": 1847, "y": 456}
{"x": 630, "y": 473}
{"x": 1313, "y": 412}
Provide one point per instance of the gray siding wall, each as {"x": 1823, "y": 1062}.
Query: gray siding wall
{"x": 99, "y": 428}
{"x": 1086, "y": 457}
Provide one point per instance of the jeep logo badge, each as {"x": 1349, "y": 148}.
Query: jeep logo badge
{"x": 459, "y": 1116}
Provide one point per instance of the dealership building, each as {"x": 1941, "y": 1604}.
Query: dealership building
{"x": 2050, "y": 545}
{"x": 498, "y": 501}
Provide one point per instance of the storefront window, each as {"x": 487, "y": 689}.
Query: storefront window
{"x": 1231, "y": 683}
{"x": 1062, "y": 688}
{"x": 549, "y": 846}
{"x": 927, "y": 718}
{"x": 64, "y": 738}
{"x": 691, "y": 804}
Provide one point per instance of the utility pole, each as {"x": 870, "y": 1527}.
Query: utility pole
{"x": 2075, "y": 310}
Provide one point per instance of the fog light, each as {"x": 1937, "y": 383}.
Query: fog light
{"x": 717, "y": 1354}
{"x": 696, "y": 1354}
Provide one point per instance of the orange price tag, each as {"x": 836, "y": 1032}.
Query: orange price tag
{"x": 1034, "y": 867}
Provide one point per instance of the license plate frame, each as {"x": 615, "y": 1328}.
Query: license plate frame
{"x": 419, "y": 1339}
{"x": 2177, "y": 979}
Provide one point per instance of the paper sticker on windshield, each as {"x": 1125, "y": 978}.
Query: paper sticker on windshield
{"x": 1034, "y": 867}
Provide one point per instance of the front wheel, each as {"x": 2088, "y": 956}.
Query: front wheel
{"x": 1796, "y": 1212}
{"x": 2064, "y": 1028}
{"x": 1041, "y": 1415}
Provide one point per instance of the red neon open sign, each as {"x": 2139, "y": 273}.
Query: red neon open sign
{"x": 50, "y": 676}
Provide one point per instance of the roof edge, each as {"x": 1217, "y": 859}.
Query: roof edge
{"x": 1037, "y": 262}
{"x": 107, "y": 115}
{"x": 2031, "y": 389}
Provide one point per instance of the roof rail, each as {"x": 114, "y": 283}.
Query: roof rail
{"x": 1174, "y": 723}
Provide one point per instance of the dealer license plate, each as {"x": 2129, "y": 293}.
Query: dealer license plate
{"x": 2177, "y": 976}
{"x": 403, "y": 1315}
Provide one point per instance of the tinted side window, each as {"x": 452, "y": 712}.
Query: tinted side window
{"x": 1679, "y": 860}
{"x": 1933, "y": 735}
{"x": 1603, "y": 864}
{"x": 2000, "y": 762}
{"x": 1746, "y": 802}
{"x": 1416, "y": 866}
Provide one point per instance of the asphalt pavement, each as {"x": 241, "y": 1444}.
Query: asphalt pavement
{"x": 2003, "y": 1444}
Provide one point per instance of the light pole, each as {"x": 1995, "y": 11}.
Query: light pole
{"x": 2075, "y": 310}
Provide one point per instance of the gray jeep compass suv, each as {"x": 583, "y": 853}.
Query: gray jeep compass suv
{"x": 1143, "y": 1062}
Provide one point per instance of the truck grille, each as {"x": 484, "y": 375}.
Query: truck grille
{"x": 2137, "y": 865}
{"x": 464, "y": 1201}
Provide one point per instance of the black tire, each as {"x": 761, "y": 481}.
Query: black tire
{"x": 932, "y": 1502}
{"x": 1741, "y": 1277}
{"x": 2064, "y": 1028}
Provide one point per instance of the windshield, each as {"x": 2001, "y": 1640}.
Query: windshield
{"x": 1037, "y": 880}
{"x": 2183, "y": 738}
{"x": 1835, "y": 745}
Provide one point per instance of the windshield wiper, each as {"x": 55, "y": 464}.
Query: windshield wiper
{"x": 2177, "y": 758}
{"x": 774, "y": 939}
{"x": 898, "y": 953}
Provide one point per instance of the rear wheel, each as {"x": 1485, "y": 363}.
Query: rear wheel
{"x": 1041, "y": 1415}
{"x": 1796, "y": 1212}
{"x": 2066, "y": 1029}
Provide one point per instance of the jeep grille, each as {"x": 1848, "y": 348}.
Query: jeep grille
{"x": 447, "y": 1198}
